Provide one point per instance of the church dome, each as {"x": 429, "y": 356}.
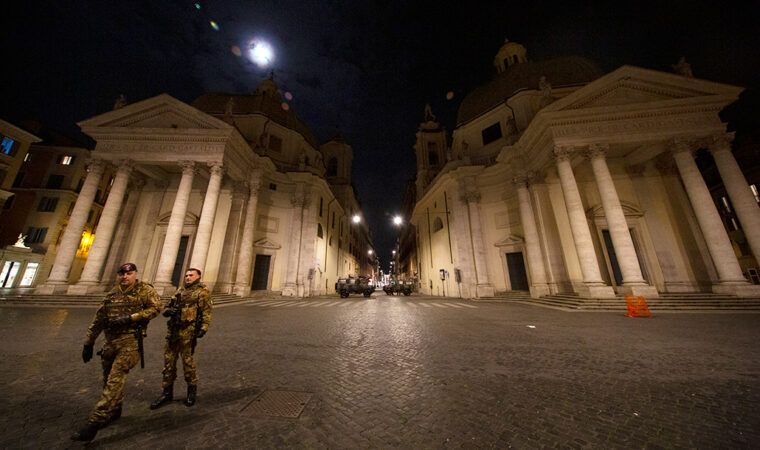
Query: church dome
{"x": 265, "y": 100}
{"x": 564, "y": 71}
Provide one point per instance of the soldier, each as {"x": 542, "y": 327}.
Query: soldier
{"x": 123, "y": 316}
{"x": 189, "y": 317}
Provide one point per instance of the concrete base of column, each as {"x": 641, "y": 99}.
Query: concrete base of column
{"x": 639, "y": 289}
{"x": 595, "y": 290}
{"x": 539, "y": 290}
{"x": 164, "y": 289}
{"x": 484, "y": 290}
{"x": 51, "y": 288}
{"x": 224, "y": 288}
{"x": 289, "y": 290}
{"x": 85, "y": 288}
{"x": 739, "y": 289}
{"x": 242, "y": 290}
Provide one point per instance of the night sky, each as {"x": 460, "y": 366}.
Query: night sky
{"x": 365, "y": 67}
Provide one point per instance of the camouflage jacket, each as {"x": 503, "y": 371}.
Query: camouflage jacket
{"x": 195, "y": 299}
{"x": 139, "y": 300}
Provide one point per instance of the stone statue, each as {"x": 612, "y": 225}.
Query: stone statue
{"x": 120, "y": 102}
{"x": 546, "y": 91}
{"x": 229, "y": 107}
{"x": 20, "y": 241}
{"x": 429, "y": 116}
{"x": 683, "y": 68}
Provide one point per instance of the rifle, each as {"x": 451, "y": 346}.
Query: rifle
{"x": 173, "y": 323}
{"x": 198, "y": 326}
{"x": 139, "y": 335}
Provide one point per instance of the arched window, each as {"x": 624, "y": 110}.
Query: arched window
{"x": 437, "y": 224}
{"x": 332, "y": 167}
{"x": 433, "y": 158}
{"x": 320, "y": 233}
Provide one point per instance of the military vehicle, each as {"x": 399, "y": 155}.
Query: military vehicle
{"x": 397, "y": 287}
{"x": 355, "y": 285}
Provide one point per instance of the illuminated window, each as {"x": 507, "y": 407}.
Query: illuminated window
{"x": 10, "y": 269}
{"x": 7, "y": 147}
{"x": 754, "y": 192}
{"x": 65, "y": 160}
{"x": 29, "y": 273}
{"x": 725, "y": 204}
{"x": 28, "y": 157}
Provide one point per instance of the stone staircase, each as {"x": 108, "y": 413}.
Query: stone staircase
{"x": 90, "y": 301}
{"x": 666, "y": 302}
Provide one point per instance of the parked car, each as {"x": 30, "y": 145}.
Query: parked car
{"x": 355, "y": 285}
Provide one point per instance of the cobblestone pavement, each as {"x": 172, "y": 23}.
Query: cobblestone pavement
{"x": 402, "y": 372}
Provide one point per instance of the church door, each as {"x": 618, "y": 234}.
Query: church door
{"x": 518, "y": 279}
{"x": 177, "y": 277}
{"x": 261, "y": 273}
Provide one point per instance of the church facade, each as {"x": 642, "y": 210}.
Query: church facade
{"x": 233, "y": 185}
{"x": 561, "y": 179}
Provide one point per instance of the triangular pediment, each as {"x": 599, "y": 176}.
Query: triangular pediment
{"x": 630, "y": 85}
{"x": 266, "y": 243}
{"x": 509, "y": 240}
{"x": 160, "y": 112}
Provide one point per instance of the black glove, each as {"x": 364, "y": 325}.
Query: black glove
{"x": 86, "y": 353}
{"x": 171, "y": 312}
{"x": 121, "y": 321}
{"x": 201, "y": 333}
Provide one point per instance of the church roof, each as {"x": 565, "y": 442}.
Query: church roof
{"x": 260, "y": 102}
{"x": 564, "y": 71}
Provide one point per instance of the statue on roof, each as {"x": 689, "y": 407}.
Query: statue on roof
{"x": 546, "y": 91}
{"x": 429, "y": 116}
{"x": 683, "y": 68}
{"x": 20, "y": 241}
{"x": 229, "y": 108}
{"x": 121, "y": 101}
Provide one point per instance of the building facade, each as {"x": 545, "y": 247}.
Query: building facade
{"x": 233, "y": 185}
{"x": 561, "y": 179}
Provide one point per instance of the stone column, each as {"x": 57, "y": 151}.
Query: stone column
{"x": 206, "y": 221}
{"x": 593, "y": 286}
{"x": 633, "y": 280}
{"x": 471, "y": 197}
{"x": 730, "y": 278}
{"x": 538, "y": 286}
{"x": 245, "y": 254}
{"x": 738, "y": 190}
{"x": 104, "y": 233}
{"x": 290, "y": 288}
{"x": 59, "y": 275}
{"x": 228, "y": 264}
{"x": 174, "y": 229}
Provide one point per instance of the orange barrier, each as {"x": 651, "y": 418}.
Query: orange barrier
{"x": 638, "y": 307}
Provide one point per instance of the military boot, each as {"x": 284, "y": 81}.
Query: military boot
{"x": 86, "y": 433}
{"x": 166, "y": 396}
{"x": 113, "y": 416}
{"x": 191, "y": 391}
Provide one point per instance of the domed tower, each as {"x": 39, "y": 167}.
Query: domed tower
{"x": 338, "y": 156}
{"x": 431, "y": 149}
{"x": 268, "y": 89}
{"x": 509, "y": 54}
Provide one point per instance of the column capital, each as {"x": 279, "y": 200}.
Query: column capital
{"x": 188, "y": 167}
{"x": 96, "y": 166}
{"x": 124, "y": 165}
{"x": 720, "y": 142}
{"x": 216, "y": 168}
{"x": 680, "y": 145}
{"x": 597, "y": 151}
{"x": 562, "y": 152}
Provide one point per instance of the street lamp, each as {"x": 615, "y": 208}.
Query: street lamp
{"x": 369, "y": 252}
{"x": 397, "y": 220}
{"x": 356, "y": 218}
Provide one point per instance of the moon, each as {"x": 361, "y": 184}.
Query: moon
{"x": 260, "y": 52}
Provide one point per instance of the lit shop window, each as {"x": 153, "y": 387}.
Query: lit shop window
{"x": 10, "y": 270}
{"x": 29, "y": 273}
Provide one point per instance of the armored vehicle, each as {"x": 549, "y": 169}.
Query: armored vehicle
{"x": 397, "y": 287}
{"x": 355, "y": 285}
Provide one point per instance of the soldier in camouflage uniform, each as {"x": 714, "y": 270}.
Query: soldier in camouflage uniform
{"x": 190, "y": 315}
{"x": 123, "y": 316}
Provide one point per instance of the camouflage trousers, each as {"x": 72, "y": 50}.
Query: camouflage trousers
{"x": 118, "y": 357}
{"x": 181, "y": 345}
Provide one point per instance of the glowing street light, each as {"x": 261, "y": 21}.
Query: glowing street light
{"x": 397, "y": 220}
{"x": 356, "y": 218}
{"x": 369, "y": 252}
{"x": 394, "y": 252}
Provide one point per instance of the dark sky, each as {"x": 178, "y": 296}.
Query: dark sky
{"x": 367, "y": 67}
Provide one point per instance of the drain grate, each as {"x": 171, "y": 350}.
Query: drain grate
{"x": 288, "y": 404}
